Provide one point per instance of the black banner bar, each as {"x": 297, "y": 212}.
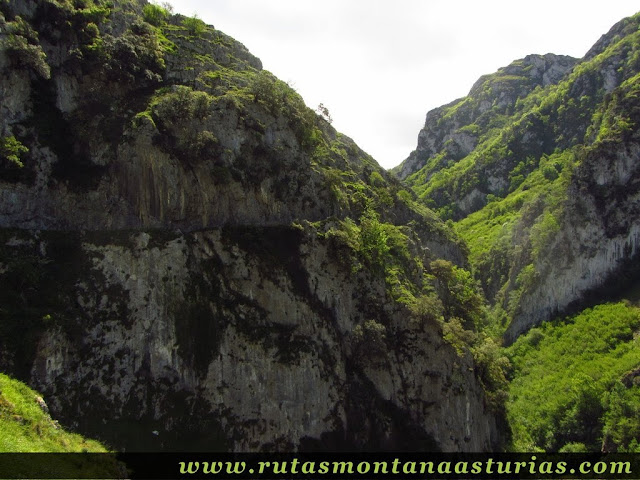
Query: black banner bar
{"x": 330, "y": 466}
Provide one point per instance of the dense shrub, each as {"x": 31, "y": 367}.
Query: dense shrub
{"x": 135, "y": 57}
{"x": 194, "y": 25}
{"x": 460, "y": 293}
{"x": 567, "y": 385}
{"x": 23, "y": 48}
{"x": 374, "y": 246}
{"x": 180, "y": 113}
{"x": 427, "y": 308}
{"x": 155, "y": 14}
{"x": 11, "y": 150}
{"x": 369, "y": 340}
{"x": 180, "y": 104}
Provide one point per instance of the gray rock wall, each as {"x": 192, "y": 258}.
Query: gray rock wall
{"x": 598, "y": 242}
{"x": 215, "y": 340}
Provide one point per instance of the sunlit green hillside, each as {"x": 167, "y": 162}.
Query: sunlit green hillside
{"x": 26, "y": 427}
{"x": 576, "y": 384}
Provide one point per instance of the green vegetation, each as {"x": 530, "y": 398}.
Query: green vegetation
{"x": 433, "y": 292}
{"x": 155, "y": 14}
{"x": 462, "y": 315}
{"x": 23, "y": 47}
{"x": 575, "y": 382}
{"x": 375, "y": 240}
{"x": 370, "y": 340}
{"x": 11, "y": 150}
{"x": 183, "y": 114}
{"x": 512, "y": 137}
{"x": 194, "y": 25}
{"x": 179, "y": 114}
{"x": 26, "y": 427}
{"x": 508, "y": 194}
{"x": 135, "y": 56}
{"x": 386, "y": 250}
{"x": 282, "y": 100}
{"x": 138, "y": 55}
{"x": 381, "y": 247}
{"x": 510, "y": 235}
{"x": 618, "y": 119}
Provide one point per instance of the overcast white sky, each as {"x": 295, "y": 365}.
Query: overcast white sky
{"x": 380, "y": 65}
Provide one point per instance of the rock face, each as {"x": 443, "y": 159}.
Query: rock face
{"x": 239, "y": 338}
{"x": 181, "y": 260}
{"x": 595, "y": 252}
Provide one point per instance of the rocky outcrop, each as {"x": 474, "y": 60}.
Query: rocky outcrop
{"x": 537, "y": 164}
{"x": 594, "y": 254}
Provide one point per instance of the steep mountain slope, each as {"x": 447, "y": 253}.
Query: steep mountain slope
{"x": 193, "y": 259}
{"x": 453, "y": 131}
{"x": 538, "y": 168}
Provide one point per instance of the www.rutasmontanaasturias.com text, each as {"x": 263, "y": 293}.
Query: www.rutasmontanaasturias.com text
{"x": 399, "y": 467}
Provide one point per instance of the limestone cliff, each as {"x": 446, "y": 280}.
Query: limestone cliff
{"x": 193, "y": 259}
{"x": 594, "y": 253}
{"x": 241, "y": 338}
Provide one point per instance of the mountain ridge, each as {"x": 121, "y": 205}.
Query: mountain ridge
{"x": 519, "y": 78}
{"x": 544, "y": 131}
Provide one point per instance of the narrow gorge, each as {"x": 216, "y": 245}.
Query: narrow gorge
{"x": 191, "y": 259}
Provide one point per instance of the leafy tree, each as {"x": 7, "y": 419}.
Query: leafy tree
{"x": 454, "y": 332}
{"x": 427, "y": 308}
{"x": 267, "y": 90}
{"x": 324, "y": 113}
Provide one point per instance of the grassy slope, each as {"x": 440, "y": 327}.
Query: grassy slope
{"x": 25, "y": 427}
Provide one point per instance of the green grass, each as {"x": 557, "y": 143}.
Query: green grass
{"x": 25, "y": 427}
